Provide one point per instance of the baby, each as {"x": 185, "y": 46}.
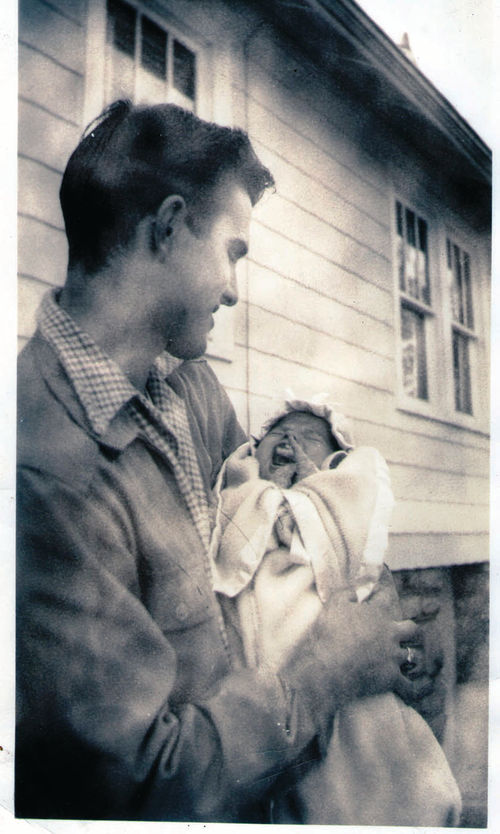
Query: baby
{"x": 301, "y": 515}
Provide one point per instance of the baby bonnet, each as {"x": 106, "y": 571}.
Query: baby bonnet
{"x": 321, "y": 406}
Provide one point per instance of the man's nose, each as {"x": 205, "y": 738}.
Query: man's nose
{"x": 230, "y": 295}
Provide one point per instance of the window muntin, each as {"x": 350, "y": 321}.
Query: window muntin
{"x": 461, "y": 373}
{"x": 153, "y": 48}
{"x": 462, "y": 324}
{"x": 146, "y": 61}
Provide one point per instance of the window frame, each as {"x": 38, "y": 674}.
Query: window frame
{"x": 173, "y": 34}
{"x": 440, "y": 405}
{"x": 465, "y": 332}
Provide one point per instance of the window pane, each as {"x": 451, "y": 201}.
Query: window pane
{"x": 184, "y": 70}
{"x": 121, "y": 26}
{"x": 461, "y": 373}
{"x": 414, "y": 362}
{"x": 422, "y": 263}
{"x": 412, "y": 254}
{"x": 460, "y": 285}
{"x": 153, "y": 48}
{"x": 401, "y": 264}
{"x": 457, "y": 289}
{"x": 410, "y": 227}
{"x": 469, "y": 313}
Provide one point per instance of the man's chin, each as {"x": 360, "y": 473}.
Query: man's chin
{"x": 187, "y": 351}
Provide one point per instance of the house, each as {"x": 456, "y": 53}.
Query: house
{"x": 368, "y": 273}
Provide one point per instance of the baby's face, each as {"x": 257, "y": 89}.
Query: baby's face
{"x": 311, "y": 433}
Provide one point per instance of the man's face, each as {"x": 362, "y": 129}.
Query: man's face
{"x": 312, "y": 433}
{"x": 202, "y": 270}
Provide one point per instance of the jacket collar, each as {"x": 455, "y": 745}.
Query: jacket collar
{"x": 122, "y": 429}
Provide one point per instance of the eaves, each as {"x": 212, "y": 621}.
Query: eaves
{"x": 358, "y": 54}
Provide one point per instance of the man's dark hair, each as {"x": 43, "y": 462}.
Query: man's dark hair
{"x": 133, "y": 157}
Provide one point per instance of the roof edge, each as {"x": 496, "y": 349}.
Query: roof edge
{"x": 369, "y": 39}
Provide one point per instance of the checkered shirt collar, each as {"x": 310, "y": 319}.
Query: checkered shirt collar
{"x": 100, "y": 384}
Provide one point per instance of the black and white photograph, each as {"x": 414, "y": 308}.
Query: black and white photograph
{"x": 252, "y": 433}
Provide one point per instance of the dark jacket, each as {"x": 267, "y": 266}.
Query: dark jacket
{"x": 128, "y": 707}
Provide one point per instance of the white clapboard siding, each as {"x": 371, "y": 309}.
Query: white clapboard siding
{"x": 433, "y": 517}
{"x": 294, "y": 260}
{"x": 53, "y": 33}
{"x": 410, "y": 483}
{"x": 39, "y": 194}
{"x": 420, "y": 550}
{"x": 278, "y": 336}
{"x": 73, "y": 10}
{"x": 423, "y": 451}
{"x": 232, "y": 375}
{"x": 288, "y": 141}
{"x": 45, "y": 137}
{"x": 270, "y": 374}
{"x": 50, "y": 85}
{"x": 316, "y": 307}
{"x": 42, "y": 251}
{"x": 279, "y": 294}
{"x": 30, "y": 293}
{"x": 324, "y": 239}
{"x": 303, "y": 93}
{"x": 326, "y": 199}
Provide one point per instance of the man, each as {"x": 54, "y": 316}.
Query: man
{"x": 130, "y": 706}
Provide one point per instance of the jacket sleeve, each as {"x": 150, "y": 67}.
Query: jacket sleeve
{"x": 100, "y": 734}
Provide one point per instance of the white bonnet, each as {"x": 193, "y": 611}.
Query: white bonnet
{"x": 320, "y": 406}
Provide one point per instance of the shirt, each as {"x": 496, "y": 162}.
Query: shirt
{"x": 103, "y": 389}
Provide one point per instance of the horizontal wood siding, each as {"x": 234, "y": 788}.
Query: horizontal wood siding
{"x": 316, "y": 307}
{"x": 51, "y": 86}
{"x": 320, "y": 302}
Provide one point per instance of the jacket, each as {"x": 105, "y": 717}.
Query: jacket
{"x": 128, "y": 706}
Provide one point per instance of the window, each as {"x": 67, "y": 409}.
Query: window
{"x": 462, "y": 323}
{"x": 441, "y": 290}
{"x": 415, "y": 300}
{"x": 145, "y": 61}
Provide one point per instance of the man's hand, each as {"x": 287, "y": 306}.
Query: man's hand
{"x": 352, "y": 650}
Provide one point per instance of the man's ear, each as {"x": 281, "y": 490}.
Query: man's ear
{"x": 169, "y": 218}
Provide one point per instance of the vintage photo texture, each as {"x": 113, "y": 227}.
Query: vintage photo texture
{"x": 368, "y": 273}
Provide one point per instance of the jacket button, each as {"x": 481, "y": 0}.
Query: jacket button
{"x": 181, "y": 611}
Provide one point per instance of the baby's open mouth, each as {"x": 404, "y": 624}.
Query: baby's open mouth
{"x": 283, "y": 456}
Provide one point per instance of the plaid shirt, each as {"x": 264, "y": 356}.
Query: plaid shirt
{"x": 103, "y": 389}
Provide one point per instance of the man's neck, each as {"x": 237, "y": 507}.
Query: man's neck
{"x": 96, "y": 306}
